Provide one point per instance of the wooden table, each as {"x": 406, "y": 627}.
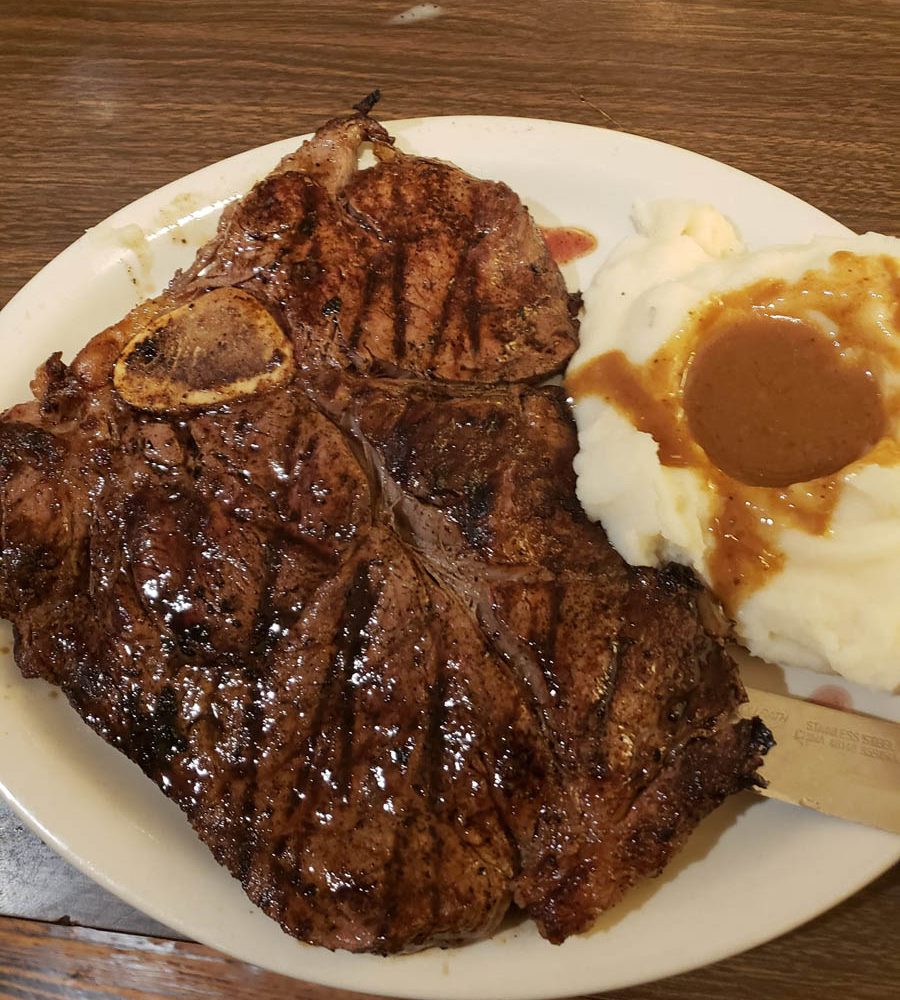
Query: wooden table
{"x": 102, "y": 102}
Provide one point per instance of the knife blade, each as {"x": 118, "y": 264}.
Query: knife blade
{"x": 836, "y": 762}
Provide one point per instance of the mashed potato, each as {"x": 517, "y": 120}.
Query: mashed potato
{"x": 740, "y": 413}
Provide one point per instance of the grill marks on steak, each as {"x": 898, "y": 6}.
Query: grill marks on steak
{"x": 410, "y": 266}
{"x": 412, "y": 850}
{"x": 358, "y": 627}
{"x": 472, "y": 293}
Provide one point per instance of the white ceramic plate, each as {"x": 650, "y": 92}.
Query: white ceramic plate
{"x": 754, "y": 870}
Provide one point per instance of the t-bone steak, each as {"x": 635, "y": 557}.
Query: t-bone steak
{"x": 300, "y": 537}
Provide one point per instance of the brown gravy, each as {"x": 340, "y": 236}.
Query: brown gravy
{"x": 767, "y": 406}
{"x": 772, "y": 402}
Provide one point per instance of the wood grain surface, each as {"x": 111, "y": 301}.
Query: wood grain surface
{"x": 101, "y": 102}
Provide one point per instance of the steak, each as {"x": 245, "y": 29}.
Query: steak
{"x": 300, "y": 537}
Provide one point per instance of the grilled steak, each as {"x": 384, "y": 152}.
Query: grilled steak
{"x": 300, "y": 538}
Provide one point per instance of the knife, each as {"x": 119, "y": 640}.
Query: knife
{"x": 836, "y": 762}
